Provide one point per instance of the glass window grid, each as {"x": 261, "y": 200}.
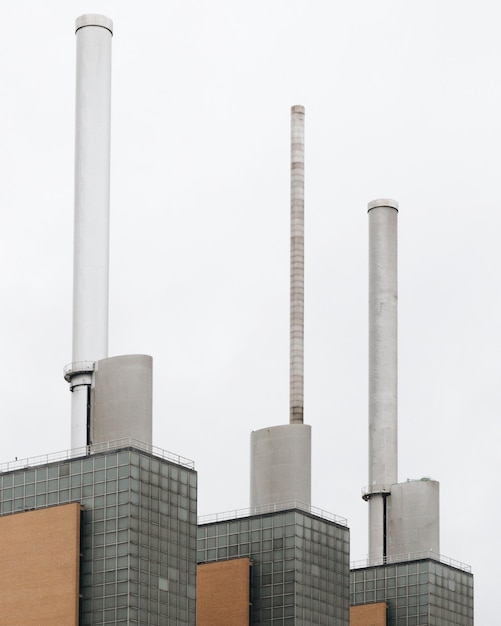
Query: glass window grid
{"x": 300, "y": 565}
{"x": 127, "y": 498}
{"x": 424, "y": 592}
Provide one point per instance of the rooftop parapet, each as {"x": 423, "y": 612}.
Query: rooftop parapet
{"x": 96, "y": 448}
{"x": 411, "y": 556}
{"x": 272, "y": 508}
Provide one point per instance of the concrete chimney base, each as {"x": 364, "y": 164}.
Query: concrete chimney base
{"x": 281, "y": 465}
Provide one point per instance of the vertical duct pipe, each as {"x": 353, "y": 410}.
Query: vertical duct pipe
{"x": 297, "y": 266}
{"x": 91, "y": 218}
{"x": 383, "y": 375}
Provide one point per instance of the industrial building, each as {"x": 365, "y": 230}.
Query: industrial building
{"x": 405, "y": 569}
{"x": 107, "y": 533}
{"x": 104, "y": 533}
{"x": 298, "y": 563}
{"x": 105, "y": 536}
{"x": 299, "y": 556}
{"x": 414, "y": 589}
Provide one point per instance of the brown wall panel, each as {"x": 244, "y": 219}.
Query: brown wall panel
{"x": 223, "y": 593}
{"x": 39, "y": 567}
{"x": 368, "y": 614}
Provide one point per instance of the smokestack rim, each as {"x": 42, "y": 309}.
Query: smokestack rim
{"x": 382, "y": 202}
{"x": 297, "y": 108}
{"x": 93, "y": 19}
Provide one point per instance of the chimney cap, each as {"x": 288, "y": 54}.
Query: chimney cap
{"x": 93, "y": 19}
{"x": 297, "y": 108}
{"x": 382, "y": 202}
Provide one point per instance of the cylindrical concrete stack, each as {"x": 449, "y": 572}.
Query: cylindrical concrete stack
{"x": 414, "y": 518}
{"x": 383, "y": 364}
{"x": 122, "y": 399}
{"x": 403, "y": 517}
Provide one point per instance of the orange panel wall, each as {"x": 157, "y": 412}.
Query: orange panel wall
{"x": 39, "y": 567}
{"x": 368, "y": 614}
{"x": 223, "y": 593}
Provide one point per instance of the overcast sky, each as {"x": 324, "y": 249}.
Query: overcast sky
{"x": 403, "y": 100}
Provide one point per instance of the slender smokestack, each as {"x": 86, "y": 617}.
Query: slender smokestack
{"x": 281, "y": 455}
{"x": 297, "y": 266}
{"x": 91, "y": 220}
{"x": 383, "y": 375}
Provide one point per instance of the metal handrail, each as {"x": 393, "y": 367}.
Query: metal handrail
{"x": 372, "y": 490}
{"x": 95, "y": 449}
{"x": 411, "y": 556}
{"x": 271, "y": 508}
{"x": 77, "y": 367}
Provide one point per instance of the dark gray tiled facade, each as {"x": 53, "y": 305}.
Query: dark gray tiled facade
{"x": 419, "y": 593}
{"x": 300, "y": 572}
{"x": 138, "y": 532}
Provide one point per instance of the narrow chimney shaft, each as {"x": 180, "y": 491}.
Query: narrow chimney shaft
{"x": 297, "y": 266}
{"x": 281, "y": 455}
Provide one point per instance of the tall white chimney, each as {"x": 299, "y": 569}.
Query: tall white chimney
{"x": 383, "y": 375}
{"x": 91, "y": 219}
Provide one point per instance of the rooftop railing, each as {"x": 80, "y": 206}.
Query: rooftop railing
{"x": 411, "y": 556}
{"x": 96, "y": 448}
{"x": 272, "y": 508}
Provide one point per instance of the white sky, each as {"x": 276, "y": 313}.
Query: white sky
{"x": 403, "y": 100}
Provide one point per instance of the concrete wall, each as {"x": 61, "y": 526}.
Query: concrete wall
{"x": 414, "y": 521}
{"x": 223, "y": 593}
{"x": 281, "y": 464}
{"x": 121, "y": 399}
{"x": 39, "y": 572}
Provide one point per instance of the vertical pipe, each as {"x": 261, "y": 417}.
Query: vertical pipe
{"x": 297, "y": 266}
{"x": 91, "y": 218}
{"x": 383, "y": 360}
